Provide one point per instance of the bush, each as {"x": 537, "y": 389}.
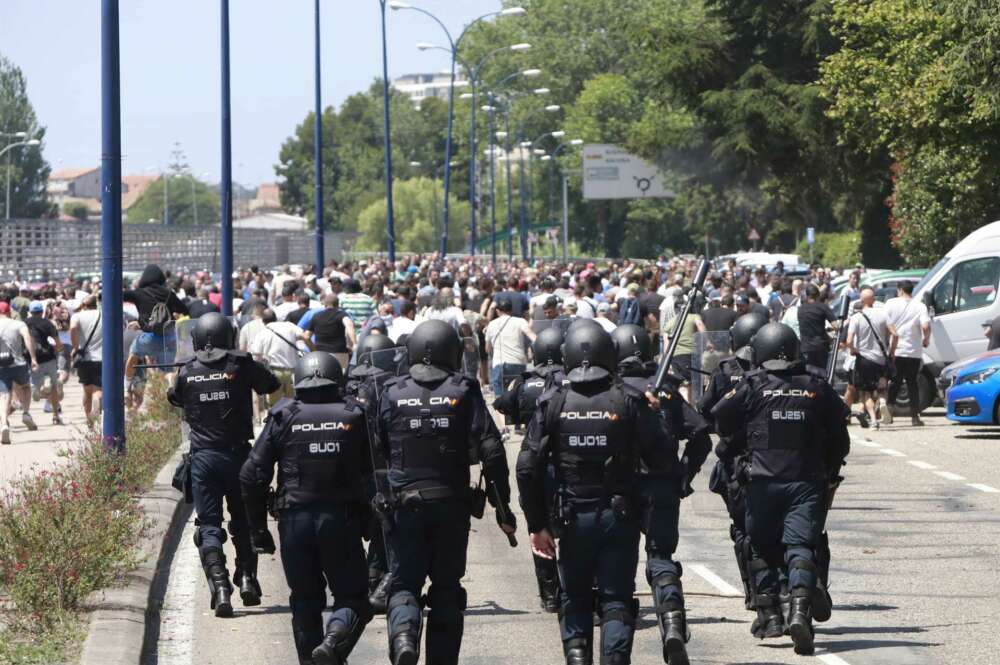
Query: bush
{"x": 833, "y": 250}
{"x": 76, "y": 528}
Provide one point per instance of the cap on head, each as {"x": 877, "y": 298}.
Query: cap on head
{"x": 36, "y": 307}
{"x": 316, "y": 370}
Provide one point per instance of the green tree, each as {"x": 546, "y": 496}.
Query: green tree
{"x": 184, "y": 192}
{"x": 28, "y": 170}
{"x": 417, "y": 214}
{"x": 77, "y": 210}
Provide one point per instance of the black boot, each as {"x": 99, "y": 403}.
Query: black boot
{"x": 675, "y": 637}
{"x": 549, "y": 593}
{"x": 405, "y": 650}
{"x": 769, "y": 623}
{"x": 822, "y": 604}
{"x": 785, "y": 602}
{"x": 800, "y": 624}
{"x": 222, "y": 601}
{"x": 379, "y": 596}
{"x": 250, "y": 592}
{"x": 578, "y": 652}
{"x": 617, "y": 659}
{"x": 334, "y": 648}
{"x": 214, "y": 564}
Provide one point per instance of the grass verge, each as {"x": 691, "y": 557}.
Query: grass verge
{"x": 73, "y": 529}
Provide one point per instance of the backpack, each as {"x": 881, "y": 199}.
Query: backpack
{"x": 159, "y": 318}
{"x": 6, "y": 354}
{"x": 630, "y": 313}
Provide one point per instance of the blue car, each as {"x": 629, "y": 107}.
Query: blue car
{"x": 974, "y": 389}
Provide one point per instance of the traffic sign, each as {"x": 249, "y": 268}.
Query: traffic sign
{"x": 753, "y": 236}
{"x": 811, "y": 235}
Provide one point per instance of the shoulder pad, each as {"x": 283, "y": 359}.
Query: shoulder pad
{"x": 284, "y": 409}
{"x": 239, "y": 355}
{"x": 631, "y": 391}
{"x": 548, "y": 394}
{"x": 352, "y": 402}
{"x": 395, "y": 381}
{"x": 816, "y": 373}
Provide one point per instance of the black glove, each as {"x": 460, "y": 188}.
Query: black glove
{"x": 262, "y": 541}
{"x": 506, "y": 517}
{"x": 686, "y": 489}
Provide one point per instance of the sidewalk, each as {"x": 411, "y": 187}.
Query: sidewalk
{"x": 41, "y": 447}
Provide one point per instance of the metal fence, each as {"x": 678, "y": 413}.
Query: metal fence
{"x": 44, "y": 248}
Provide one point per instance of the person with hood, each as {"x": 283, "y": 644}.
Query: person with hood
{"x": 157, "y": 306}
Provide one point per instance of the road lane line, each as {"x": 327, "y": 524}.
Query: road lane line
{"x": 984, "y": 488}
{"x": 891, "y": 453}
{"x": 948, "y": 475}
{"x": 921, "y": 465}
{"x": 829, "y": 658}
{"x": 716, "y": 581}
{"x": 866, "y": 444}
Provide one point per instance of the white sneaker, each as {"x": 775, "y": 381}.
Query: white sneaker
{"x": 885, "y": 411}
{"x": 5, "y": 436}
{"x": 29, "y": 422}
{"x": 47, "y": 406}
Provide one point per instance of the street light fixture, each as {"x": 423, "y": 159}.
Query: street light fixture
{"x": 542, "y": 91}
{"x": 531, "y": 73}
{"x": 466, "y": 95}
{"x": 9, "y": 149}
{"x": 552, "y": 108}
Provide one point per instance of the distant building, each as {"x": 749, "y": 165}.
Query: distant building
{"x": 83, "y": 183}
{"x": 133, "y": 187}
{"x": 419, "y": 87}
{"x": 273, "y": 221}
{"x": 268, "y": 199}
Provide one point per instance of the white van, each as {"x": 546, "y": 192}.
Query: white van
{"x": 961, "y": 293}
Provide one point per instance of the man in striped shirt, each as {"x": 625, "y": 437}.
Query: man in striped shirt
{"x": 359, "y": 306}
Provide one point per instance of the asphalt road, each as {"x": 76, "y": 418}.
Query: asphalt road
{"x": 914, "y": 536}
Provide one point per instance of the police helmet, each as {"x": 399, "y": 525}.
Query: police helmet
{"x": 374, "y": 356}
{"x": 745, "y": 328}
{"x": 581, "y": 323}
{"x": 212, "y": 337}
{"x": 318, "y": 369}
{"x": 775, "y": 346}
{"x": 632, "y": 341}
{"x": 547, "y": 348}
{"x": 588, "y": 354}
{"x": 435, "y": 351}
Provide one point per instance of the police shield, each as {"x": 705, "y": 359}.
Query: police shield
{"x": 470, "y": 357}
{"x": 387, "y": 362}
{"x": 561, "y": 324}
{"x": 710, "y": 349}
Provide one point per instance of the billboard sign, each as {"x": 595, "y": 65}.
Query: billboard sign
{"x": 609, "y": 172}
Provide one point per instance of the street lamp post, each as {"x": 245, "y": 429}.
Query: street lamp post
{"x": 453, "y": 49}
{"x": 390, "y": 227}
{"x": 9, "y": 150}
{"x": 226, "y": 187}
{"x": 318, "y": 148}
{"x": 565, "y": 186}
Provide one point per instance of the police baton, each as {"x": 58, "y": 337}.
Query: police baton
{"x": 668, "y": 356}
{"x": 503, "y": 512}
{"x": 845, "y": 310}
{"x": 831, "y": 490}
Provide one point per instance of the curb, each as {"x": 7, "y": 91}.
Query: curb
{"x": 118, "y": 625}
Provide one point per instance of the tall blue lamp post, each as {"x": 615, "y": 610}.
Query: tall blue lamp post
{"x": 390, "y": 229}
{"x": 318, "y": 149}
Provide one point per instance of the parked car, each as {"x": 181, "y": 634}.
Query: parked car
{"x": 973, "y": 391}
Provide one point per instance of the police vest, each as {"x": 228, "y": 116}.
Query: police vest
{"x": 785, "y": 436}
{"x": 322, "y": 453}
{"x": 217, "y": 403}
{"x": 638, "y": 376}
{"x": 428, "y": 431}
{"x": 594, "y": 443}
{"x": 529, "y": 390}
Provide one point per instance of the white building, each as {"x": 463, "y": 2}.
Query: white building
{"x": 419, "y": 87}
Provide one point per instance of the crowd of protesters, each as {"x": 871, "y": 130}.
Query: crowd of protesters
{"x": 50, "y": 330}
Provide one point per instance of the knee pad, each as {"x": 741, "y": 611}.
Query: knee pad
{"x": 403, "y": 599}
{"x": 360, "y": 606}
{"x": 625, "y": 615}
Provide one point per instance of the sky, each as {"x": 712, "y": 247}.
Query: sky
{"x": 170, "y": 72}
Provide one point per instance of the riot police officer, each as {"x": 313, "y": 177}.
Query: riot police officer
{"x": 663, "y": 491}
{"x": 433, "y": 424}
{"x": 795, "y": 436}
{"x": 214, "y": 390}
{"x": 724, "y": 477}
{"x": 376, "y": 364}
{"x": 595, "y": 432}
{"x": 319, "y": 442}
{"x": 518, "y": 402}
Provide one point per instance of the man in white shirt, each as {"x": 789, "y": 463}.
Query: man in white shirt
{"x": 910, "y": 330}
{"x": 279, "y": 345}
{"x": 17, "y": 348}
{"x": 403, "y": 324}
{"x": 507, "y": 341}
{"x": 603, "y": 310}
{"x": 868, "y": 339}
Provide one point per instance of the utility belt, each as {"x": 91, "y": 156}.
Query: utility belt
{"x": 413, "y": 499}
{"x": 243, "y": 446}
{"x": 567, "y": 508}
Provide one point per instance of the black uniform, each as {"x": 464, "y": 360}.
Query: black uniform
{"x": 595, "y": 434}
{"x": 216, "y": 398}
{"x": 663, "y": 491}
{"x": 431, "y": 431}
{"x": 321, "y": 452}
{"x": 519, "y": 403}
{"x": 724, "y": 480}
{"x": 791, "y": 425}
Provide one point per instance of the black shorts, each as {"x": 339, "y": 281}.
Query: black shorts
{"x": 681, "y": 366}
{"x": 867, "y": 374}
{"x": 89, "y": 372}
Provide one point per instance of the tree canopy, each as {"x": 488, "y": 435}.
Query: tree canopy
{"x": 29, "y": 172}
{"x": 183, "y": 192}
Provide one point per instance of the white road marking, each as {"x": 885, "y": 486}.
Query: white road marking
{"x": 716, "y": 581}
{"x": 948, "y": 475}
{"x": 177, "y": 618}
{"x": 891, "y": 453}
{"x": 922, "y": 465}
{"x": 829, "y": 658}
{"x": 866, "y": 444}
{"x": 984, "y": 488}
